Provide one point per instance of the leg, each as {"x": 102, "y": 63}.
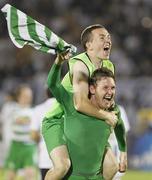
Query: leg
{"x": 11, "y": 162}
{"x": 53, "y": 134}
{"x": 10, "y": 175}
{"x": 61, "y": 163}
{"x": 30, "y": 173}
{"x": 110, "y": 165}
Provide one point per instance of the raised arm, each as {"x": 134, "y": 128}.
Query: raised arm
{"x": 54, "y": 80}
{"x": 82, "y": 103}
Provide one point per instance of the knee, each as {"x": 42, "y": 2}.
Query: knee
{"x": 67, "y": 165}
{"x": 30, "y": 172}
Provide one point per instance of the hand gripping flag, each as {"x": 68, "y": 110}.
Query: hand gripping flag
{"x": 24, "y": 30}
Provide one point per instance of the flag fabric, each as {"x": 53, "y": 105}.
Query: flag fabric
{"x": 24, "y": 30}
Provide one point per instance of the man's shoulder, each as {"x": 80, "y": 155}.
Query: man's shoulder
{"x": 79, "y": 56}
{"x": 79, "y": 62}
{"x": 79, "y": 59}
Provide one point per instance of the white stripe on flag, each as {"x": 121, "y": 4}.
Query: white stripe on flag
{"x": 41, "y": 33}
{"x": 52, "y": 51}
{"x": 54, "y": 40}
{"x": 40, "y": 29}
{"x": 23, "y": 29}
{"x": 7, "y": 10}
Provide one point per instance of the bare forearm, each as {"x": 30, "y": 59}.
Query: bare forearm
{"x": 123, "y": 162}
{"x": 86, "y": 107}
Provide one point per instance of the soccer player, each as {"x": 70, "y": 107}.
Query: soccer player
{"x": 22, "y": 150}
{"x": 38, "y": 113}
{"x": 97, "y": 44}
{"x": 5, "y": 119}
{"x": 86, "y": 137}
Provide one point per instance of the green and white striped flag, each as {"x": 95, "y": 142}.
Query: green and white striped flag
{"x": 23, "y": 30}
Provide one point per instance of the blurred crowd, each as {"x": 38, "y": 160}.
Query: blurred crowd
{"x": 130, "y": 24}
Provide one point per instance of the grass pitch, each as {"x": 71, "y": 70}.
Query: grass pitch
{"x": 130, "y": 175}
{"x": 137, "y": 175}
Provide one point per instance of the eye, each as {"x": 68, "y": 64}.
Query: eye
{"x": 106, "y": 87}
{"x": 113, "y": 88}
{"x": 102, "y": 38}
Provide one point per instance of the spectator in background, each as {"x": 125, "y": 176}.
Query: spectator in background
{"x": 144, "y": 122}
{"x": 22, "y": 152}
{"x": 5, "y": 120}
{"x": 44, "y": 161}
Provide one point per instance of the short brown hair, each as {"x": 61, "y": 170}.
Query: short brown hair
{"x": 86, "y": 33}
{"x": 99, "y": 73}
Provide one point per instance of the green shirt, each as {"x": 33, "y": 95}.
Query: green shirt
{"x": 86, "y": 136}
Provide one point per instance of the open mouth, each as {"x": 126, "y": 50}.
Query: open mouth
{"x": 106, "y": 49}
{"x": 108, "y": 98}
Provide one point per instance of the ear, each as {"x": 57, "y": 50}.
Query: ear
{"x": 92, "y": 89}
{"x": 88, "y": 45}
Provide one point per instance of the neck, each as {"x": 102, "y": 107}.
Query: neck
{"x": 95, "y": 60}
{"x": 24, "y": 105}
{"x": 93, "y": 101}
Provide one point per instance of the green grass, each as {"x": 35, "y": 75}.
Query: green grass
{"x": 130, "y": 175}
{"x": 137, "y": 175}
{"x": 3, "y": 175}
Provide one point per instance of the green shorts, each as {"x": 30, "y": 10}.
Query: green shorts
{"x": 21, "y": 155}
{"x": 52, "y": 130}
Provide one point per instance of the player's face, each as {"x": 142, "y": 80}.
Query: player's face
{"x": 101, "y": 43}
{"x": 104, "y": 92}
{"x": 25, "y": 97}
